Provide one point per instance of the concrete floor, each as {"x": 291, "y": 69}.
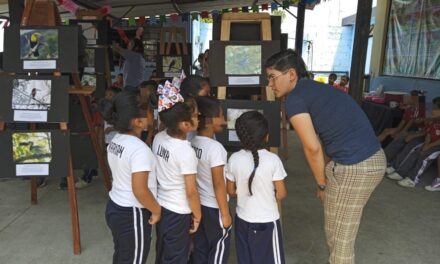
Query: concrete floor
{"x": 399, "y": 225}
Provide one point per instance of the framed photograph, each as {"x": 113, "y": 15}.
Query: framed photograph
{"x": 39, "y": 44}
{"x": 37, "y": 49}
{"x": 240, "y": 63}
{"x": 95, "y": 58}
{"x": 233, "y": 109}
{"x": 97, "y": 80}
{"x": 34, "y": 99}
{"x": 34, "y": 153}
{"x": 169, "y": 66}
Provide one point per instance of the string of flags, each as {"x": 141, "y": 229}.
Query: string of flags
{"x": 72, "y": 7}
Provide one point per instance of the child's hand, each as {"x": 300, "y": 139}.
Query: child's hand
{"x": 155, "y": 217}
{"x": 194, "y": 225}
{"x": 227, "y": 221}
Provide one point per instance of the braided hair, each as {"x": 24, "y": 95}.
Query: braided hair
{"x": 252, "y": 129}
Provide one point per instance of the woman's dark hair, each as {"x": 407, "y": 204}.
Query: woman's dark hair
{"x": 252, "y": 130}
{"x": 138, "y": 46}
{"x": 287, "y": 59}
{"x": 192, "y": 85}
{"x": 180, "y": 112}
{"x": 209, "y": 107}
{"x": 120, "y": 110}
{"x": 152, "y": 87}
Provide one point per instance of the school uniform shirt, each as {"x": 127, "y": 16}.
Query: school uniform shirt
{"x": 175, "y": 158}
{"x": 126, "y": 155}
{"x": 210, "y": 154}
{"x": 261, "y": 207}
{"x": 433, "y": 128}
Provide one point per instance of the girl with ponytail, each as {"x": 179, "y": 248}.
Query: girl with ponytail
{"x": 256, "y": 177}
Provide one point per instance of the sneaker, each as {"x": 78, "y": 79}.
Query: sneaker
{"x": 435, "y": 186}
{"x": 395, "y": 176}
{"x": 390, "y": 170}
{"x": 407, "y": 182}
{"x": 81, "y": 184}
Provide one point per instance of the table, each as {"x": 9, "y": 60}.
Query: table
{"x": 381, "y": 116}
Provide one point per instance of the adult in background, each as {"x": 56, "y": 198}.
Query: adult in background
{"x": 134, "y": 65}
{"x": 357, "y": 162}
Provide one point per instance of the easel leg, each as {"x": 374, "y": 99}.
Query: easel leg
{"x": 99, "y": 155}
{"x": 73, "y": 210}
{"x": 34, "y": 197}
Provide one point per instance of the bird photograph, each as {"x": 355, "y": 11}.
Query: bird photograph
{"x": 39, "y": 44}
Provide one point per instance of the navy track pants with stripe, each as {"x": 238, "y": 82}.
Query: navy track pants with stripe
{"x": 259, "y": 243}
{"x": 131, "y": 233}
{"x": 173, "y": 239}
{"x": 212, "y": 240}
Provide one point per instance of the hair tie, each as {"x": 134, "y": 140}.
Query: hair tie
{"x": 168, "y": 96}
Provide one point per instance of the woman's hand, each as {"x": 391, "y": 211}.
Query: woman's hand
{"x": 227, "y": 221}
{"x": 321, "y": 196}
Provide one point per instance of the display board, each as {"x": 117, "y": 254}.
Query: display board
{"x": 34, "y": 153}
{"x": 169, "y": 66}
{"x": 240, "y": 63}
{"x": 38, "y": 49}
{"x": 34, "y": 99}
{"x": 232, "y": 109}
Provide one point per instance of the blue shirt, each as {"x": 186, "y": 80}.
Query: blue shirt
{"x": 133, "y": 69}
{"x": 342, "y": 126}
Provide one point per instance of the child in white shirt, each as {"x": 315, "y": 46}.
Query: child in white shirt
{"x": 212, "y": 239}
{"x": 132, "y": 208}
{"x": 176, "y": 175}
{"x": 256, "y": 177}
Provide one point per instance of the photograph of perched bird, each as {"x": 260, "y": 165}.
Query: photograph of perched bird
{"x": 39, "y": 44}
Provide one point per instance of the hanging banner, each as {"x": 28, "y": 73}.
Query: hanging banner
{"x": 412, "y": 48}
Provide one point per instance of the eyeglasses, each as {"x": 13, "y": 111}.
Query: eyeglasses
{"x": 273, "y": 78}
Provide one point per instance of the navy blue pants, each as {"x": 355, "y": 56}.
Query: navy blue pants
{"x": 258, "y": 242}
{"x": 131, "y": 233}
{"x": 212, "y": 240}
{"x": 172, "y": 245}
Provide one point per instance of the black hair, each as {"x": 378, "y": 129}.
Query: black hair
{"x": 114, "y": 89}
{"x": 120, "y": 74}
{"x": 333, "y": 75}
{"x": 436, "y": 101}
{"x": 346, "y": 76}
{"x": 252, "y": 129}
{"x": 120, "y": 110}
{"x": 416, "y": 93}
{"x": 148, "y": 83}
{"x": 180, "y": 112}
{"x": 152, "y": 87}
{"x": 192, "y": 85}
{"x": 138, "y": 46}
{"x": 209, "y": 107}
{"x": 287, "y": 59}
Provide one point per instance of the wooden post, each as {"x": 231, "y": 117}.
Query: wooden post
{"x": 360, "y": 45}
{"x": 300, "y": 18}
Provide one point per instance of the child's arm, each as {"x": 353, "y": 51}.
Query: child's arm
{"x": 280, "y": 190}
{"x": 414, "y": 135}
{"x": 218, "y": 181}
{"x": 193, "y": 200}
{"x": 232, "y": 188}
{"x": 109, "y": 129}
{"x": 139, "y": 183}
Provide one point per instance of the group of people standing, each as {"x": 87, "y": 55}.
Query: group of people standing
{"x": 183, "y": 183}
